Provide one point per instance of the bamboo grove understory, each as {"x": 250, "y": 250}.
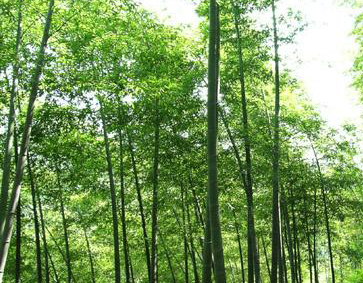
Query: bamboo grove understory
{"x": 134, "y": 151}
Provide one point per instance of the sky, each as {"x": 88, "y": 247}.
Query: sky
{"x": 321, "y": 57}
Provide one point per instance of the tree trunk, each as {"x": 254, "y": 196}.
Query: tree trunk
{"x": 266, "y": 258}
{"x": 198, "y": 212}
{"x": 36, "y": 222}
{"x": 141, "y": 206}
{"x": 66, "y": 240}
{"x": 184, "y": 228}
{"x": 11, "y": 210}
{"x": 276, "y": 156}
{"x": 215, "y": 228}
{"x": 90, "y": 256}
{"x": 315, "y": 262}
{"x": 289, "y": 238}
{"x": 18, "y": 244}
{"x": 61, "y": 252}
{"x": 253, "y": 254}
{"x": 168, "y": 258}
{"x": 4, "y": 194}
{"x": 207, "y": 249}
{"x": 18, "y": 219}
{"x": 326, "y": 214}
{"x": 116, "y": 241}
{"x": 282, "y": 261}
{"x": 44, "y": 238}
{"x": 123, "y": 212}
{"x": 310, "y": 254}
{"x": 154, "y": 228}
{"x": 296, "y": 240}
{"x": 56, "y": 277}
{"x": 190, "y": 236}
{"x": 239, "y": 246}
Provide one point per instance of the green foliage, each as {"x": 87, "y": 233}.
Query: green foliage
{"x": 356, "y": 277}
{"x": 120, "y": 54}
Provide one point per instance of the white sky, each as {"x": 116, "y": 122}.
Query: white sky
{"x": 325, "y": 50}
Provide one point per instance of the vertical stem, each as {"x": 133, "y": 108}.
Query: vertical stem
{"x": 116, "y": 242}
{"x": 90, "y": 256}
{"x": 316, "y": 274}
{"x": 190, "y": 236}
{"x": 36, "y": 222}
{"x": 289, "y": 238}
{"x": 168, "y": 258}
{"x": 66, "y": 240}
{"x": 186, "y": 265}
{"x": 141, "y": 206}
{"x": 44, "y": 238}
{"x": 310, "y": 255}
{"x": 56, "y": 277}
{"x": 266, "y": 257}
{"x": 122, "y": 183}
{"x": 216, "y": 235}
{"x": 282, "y": 262}
{"x": 61, "y": 252}
{"x": 13, "y": 203}
{"x": 239, "y": 247}
{"x": 326, "y": 214}
{"x": 6, "y": 166}
{"x": 254, "y": 263}
{"x": 18, "y": 219}
{"x": 207, "y": 249}
{"x": 154, "y": 228}
{"x": 276, "y": 155}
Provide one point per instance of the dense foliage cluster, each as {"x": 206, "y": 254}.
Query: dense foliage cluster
{"x": 116, "y": 173}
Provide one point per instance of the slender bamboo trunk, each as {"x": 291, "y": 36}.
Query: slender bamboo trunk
{"x": 186, "y": 264}
{"x": 276, "y": 245}
{"x": 66, "y": 241}
{"x": 90, "y": 256}
{"x": 289, "y": 238}
{"x": 216, "y": 235}
{"x": 131, "y": 266}
{"x": 299, "y": 259}
{"x": 11, "y": 134}
{"x": 56, "y": 277}
{"x": 185, "y": 236}
{"x": 207, "y": 249}
{"x": 122, "y": 183}
{"x": 266, "y": 258}
{"x": 281, "y": 261}
{"x": 154, "y": 228}
{"x": 11, "y": 210}
{"x": 310, "y": 255}
{"x": 296, "y": 240}
{"x": 168, "y": 258}
{"x": 6, "y": 166}
{"x": 61, "y": 252}
{"x": 239, "y": 247}
{"x": 116, "y": 241}
{"x": 191, "y": 239}
{"x": 326, "y": 215}
{"x": 315, "y": 262}
{"x": 198, "y": 211}
{"x": 141, "y": 206}
{"x": 44, "y": 238}
{"x": 181, "y": 267}
{"x": 36, "y": 222}
{"x": 253, "y": 254}
{"x": 18, "y": 260}
{"x": 18, "y": 244}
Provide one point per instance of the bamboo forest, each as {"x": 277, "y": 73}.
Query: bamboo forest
{"x": 140, "y": 148}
